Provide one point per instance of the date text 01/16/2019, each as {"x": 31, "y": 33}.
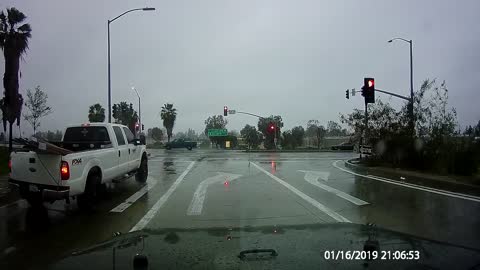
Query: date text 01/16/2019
{"x": 371, "y": 255}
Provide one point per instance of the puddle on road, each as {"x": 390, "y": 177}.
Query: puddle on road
{"x": 169, "y": 168}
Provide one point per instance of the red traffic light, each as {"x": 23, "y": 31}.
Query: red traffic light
{"x": 371, "y": 83}
{"x": 271, "y": 127}
{"x": 225, "y": 110}
{"x": 368, "y": 90}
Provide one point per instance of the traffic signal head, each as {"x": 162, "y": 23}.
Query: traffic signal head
{"x": 271, "y": 128}
{"x": 347, "y": 94}
{"x": 143, "y": 127}
{"x": 368, "y": 90}
{"x": 225, "y": 110}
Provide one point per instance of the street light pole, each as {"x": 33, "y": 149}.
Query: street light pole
{"x": 139, "y": 111}
{"x": 412, "y": 124}
{"x": 410, "y": 108}
{"x": 109, "y": 73}
{"x": 109, "y": 78}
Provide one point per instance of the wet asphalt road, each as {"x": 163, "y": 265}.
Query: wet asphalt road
{"x": 204, "y": 189}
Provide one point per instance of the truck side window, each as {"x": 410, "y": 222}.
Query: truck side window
{"x": 119, "y": 135}
{"x": 129, "y": 135}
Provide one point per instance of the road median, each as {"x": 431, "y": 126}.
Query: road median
{"x": 460, "y": 184}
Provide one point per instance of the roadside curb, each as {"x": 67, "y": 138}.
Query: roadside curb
{"x": 407, "y": 178}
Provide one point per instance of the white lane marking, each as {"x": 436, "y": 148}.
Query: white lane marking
{"x": 153, "y": 211}
{"x": 196, "y": 205}
{"x": 312, "y": 178}
{"x": 307, "y": 198}
{"x": 137, "y": 195}
{"x": 408, "y": 185}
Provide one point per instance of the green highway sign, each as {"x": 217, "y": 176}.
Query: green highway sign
{"x": 217, "y": 132}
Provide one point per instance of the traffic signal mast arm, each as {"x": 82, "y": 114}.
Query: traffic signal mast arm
{"x": 251, "y": 114}
{"x": 392, "y": 94}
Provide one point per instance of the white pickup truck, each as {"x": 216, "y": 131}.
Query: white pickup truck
{"x": 99, "y": 154}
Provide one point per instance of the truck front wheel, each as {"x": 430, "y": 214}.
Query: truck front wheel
{"x": 142, "y": 171}
{"x": 89, "y": 198}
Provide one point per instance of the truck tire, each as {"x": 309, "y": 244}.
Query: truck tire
{"x": 89, "y": 198}
{"x": 189, "y": 148}
{"x": 142, "y": 172}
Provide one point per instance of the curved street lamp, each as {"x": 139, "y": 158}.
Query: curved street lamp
{"x": 109, "y": 76}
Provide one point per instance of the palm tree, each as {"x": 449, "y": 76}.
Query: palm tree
{"x": 168, "y": 115}
{"x": 14, "y": 38}
{"x": 96, "y": 113}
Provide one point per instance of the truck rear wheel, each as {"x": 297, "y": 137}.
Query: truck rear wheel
{"x": 89, "y": 198}
{"x": 142, "y": 172}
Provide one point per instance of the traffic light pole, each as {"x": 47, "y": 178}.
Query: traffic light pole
{"x": 366, "y": 121}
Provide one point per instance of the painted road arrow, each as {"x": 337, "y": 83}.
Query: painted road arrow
{"x": 313, "y": 176}
{"x": 196, "y": 205}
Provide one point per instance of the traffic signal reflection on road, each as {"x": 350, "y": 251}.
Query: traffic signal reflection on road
{"x": 368, "y": 90}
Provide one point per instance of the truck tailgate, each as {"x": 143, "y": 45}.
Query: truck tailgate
{"x": 36, "y": 168}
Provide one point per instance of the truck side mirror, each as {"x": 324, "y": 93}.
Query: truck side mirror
{"x": 143, "y": 139}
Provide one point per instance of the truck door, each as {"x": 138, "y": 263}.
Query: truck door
{"x": 134, "y": 151}
{"x": 122, "y": 150}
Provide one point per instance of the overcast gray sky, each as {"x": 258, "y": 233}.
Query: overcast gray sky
{"x": 292, "y": 58}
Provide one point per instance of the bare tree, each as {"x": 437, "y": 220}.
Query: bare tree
{"x": 37, "y": 105}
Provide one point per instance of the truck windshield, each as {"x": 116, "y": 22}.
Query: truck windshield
{"x": 86, "y": 134}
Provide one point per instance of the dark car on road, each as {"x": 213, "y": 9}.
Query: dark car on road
{"x": 343, "y": 146}
{"x": 180, "y": 143}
